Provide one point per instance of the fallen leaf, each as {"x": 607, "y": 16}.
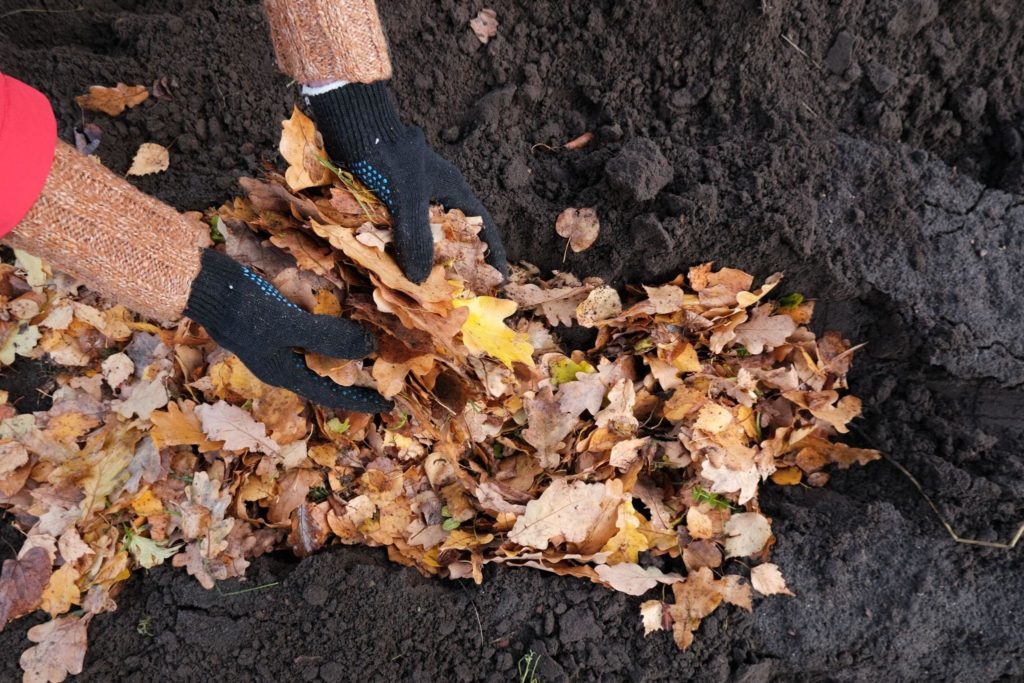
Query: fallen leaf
{"x": 303, "y": 149}
{"x": 764, "y": 331}
{"x": 60, "y": 650}
{"x": 484, "y": 331}
{"x": 236, "y": 428}
{"x": 21, "y": 584}
{"x": 576, "y": 513}
{"x": 151, "y": 158}
{"x": 112, "y": 101}
{"x": 485, "y": 25}
{"x": 652, "y": 613}
{"x": 602, "y": 303}
{"x": 632, "y": 579}
{"x": 579, "y": 226}
{"x": 61, "y": 592}
{"x": 767, "y": 580}
{"x": 579, "y": 142}
{"x": 747, "y": 533}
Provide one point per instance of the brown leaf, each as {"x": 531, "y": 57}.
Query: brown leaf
{"x": 235, "y": 427}
{"x": 60, "y": 650}
{"x": 764, "y": 331}
{"x": 303, "y": 149}
{"x": 767, "y": 580}
{"x": 579, "y": 142}
{"x": 547, "y": 427}
{"x": 112, "y": 101}
{"x": 307, "y": 534}
{"x": 485, "y": 25}
{"x": 579, "y": 226}
{"x": 151, "y": 158}
{"x": 22, "y": 582}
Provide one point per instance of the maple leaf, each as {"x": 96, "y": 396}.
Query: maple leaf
{"x": 579, "y": 226}
{"x": 236, "y": 428}
{"x": 59, "y": 650}
{"x": 747, "y": 533}
{"x": 484, "y": 332}
{"x": 151, "y": 158}
{"x": 21, "y": 584}
{"x": 764, "y": 331}
{"x": 303, "y": 149}
{"x": 112, "y": 101}
{"x": 767, "y": 580}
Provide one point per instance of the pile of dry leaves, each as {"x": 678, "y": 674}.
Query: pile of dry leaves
{"x": 640, "y": 455}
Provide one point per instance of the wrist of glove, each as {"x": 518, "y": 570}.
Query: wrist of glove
{"x": 246, "y": 315}
{"x": 361, "y": 128}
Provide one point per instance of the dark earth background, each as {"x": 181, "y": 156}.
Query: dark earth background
{"x": 882, "y": 168}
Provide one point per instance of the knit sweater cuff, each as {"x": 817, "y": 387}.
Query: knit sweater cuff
{"x": 320, "y": 40}
{"x": 355, "y": 118}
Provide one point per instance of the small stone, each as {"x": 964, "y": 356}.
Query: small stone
{"x": 316, "y": 595}
{"x": 639, "y": 171}
{"x": 840, "y": 55}
{"x": 881, "y": 77}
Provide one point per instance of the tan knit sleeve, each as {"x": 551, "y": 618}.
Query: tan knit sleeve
{"x": 329, "y": 40}
{"x": 126, "y": 245}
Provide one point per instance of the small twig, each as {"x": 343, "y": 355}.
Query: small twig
{"x": 935, "y": 508}
{"x": 800, "y": 50}
{"x": 247, "y": 590}
{"x": 938, "y": 513}
{"x": 39, "y": 10}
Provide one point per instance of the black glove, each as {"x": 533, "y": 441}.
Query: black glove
{"x": 361, "y": 129}
{"x": 248, "y": 316}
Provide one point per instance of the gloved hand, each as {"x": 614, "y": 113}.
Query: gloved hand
{"x": 248, "y": 316}
{"x": 361, "y": 128}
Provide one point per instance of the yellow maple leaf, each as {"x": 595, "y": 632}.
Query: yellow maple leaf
{"x": 484, "y": 331}
{"x": 146, "y": 504}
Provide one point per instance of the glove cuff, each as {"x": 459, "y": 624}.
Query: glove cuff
{"x": 214, "y": 288}
{"x": 355, "y": 118}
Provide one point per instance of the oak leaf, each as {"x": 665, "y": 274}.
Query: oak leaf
{"x": 632, "y": 579}
{"x": 303, "y": 149}
{"x": 59, "y": 650}
{"x": 764, "y": 331}
{"x": 62, "y": 591}
{"x": 236, "y": 428}
{"x": 576, "y": 513}
{"x": 112, "y": 101}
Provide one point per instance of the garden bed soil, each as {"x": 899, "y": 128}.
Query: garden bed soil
{"x": 872, "y": 151}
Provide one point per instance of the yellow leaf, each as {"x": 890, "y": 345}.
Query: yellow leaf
{"x": 62, "y": 591}
{"x": 303, "y": 149}
{"x": 686, "y": 360}
{"x": 484, "y": 331}
{"x": 789, "y": 476}
{"x": 146, "y": 504}
{"x": 629, "y": 542}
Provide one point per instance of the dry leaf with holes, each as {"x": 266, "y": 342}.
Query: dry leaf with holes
{"x": 151, "y": 158}
{"x": 485, "y": 25}
{"x": 579, "y": 226}
{"x": 112, "y": 101}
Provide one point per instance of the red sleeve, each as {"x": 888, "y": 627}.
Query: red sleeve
{"x": 28, "y": 137}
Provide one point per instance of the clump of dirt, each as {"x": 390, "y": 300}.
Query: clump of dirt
{"x": 874, "y": 153}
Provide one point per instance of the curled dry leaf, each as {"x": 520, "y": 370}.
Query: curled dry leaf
{"x": 767, "y": 580}
{"x": 151, "y": 158}
{"x": 485, "y": 25}
{"x": 112, "y": 101}
{"x": 603, "y": 303}
{"x": 579, "y": 226}
{"x": 303, "y": 149}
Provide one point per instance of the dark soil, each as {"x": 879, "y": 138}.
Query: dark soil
{"x": 878, "y": 160}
